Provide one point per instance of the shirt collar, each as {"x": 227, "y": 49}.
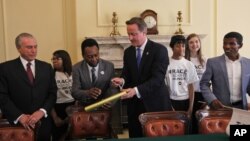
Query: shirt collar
{"x": 143, "y": 45}
{"x": 24, "y": 61}
{"x": 227, "y": 59}
{"x": 96, "y": 67}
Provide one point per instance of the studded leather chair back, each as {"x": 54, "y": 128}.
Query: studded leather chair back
{"x": 213, "y": 121}
{"x": 169, "y": 123}
{"x": 89, "y": 125}
{"x": 10, "y": 132}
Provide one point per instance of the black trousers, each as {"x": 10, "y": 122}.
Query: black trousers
{"x": 60, "y": 110}
{"x": 44, "y": 132}
{"x": 135, "y": 107}
{"x": 197, "y": 105}
{"x": 183, "y": 106}
{"x": 180, "y": 105}
{"x": 238, "y": 104}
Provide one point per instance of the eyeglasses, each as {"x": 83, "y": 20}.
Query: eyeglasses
{"x": 56, "y": 58}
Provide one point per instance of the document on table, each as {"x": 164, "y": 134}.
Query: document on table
{"x": 239, "y": 117}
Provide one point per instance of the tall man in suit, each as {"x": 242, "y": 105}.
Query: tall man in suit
{"x": 229, "y": 75}
{"x": 144, "y": 67}
{"x": 28, "y": 88}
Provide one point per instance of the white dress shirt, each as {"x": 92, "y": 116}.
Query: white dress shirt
{"x": 234, "y": 79}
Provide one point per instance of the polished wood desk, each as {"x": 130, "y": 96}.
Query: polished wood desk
{"x": 198, "y": 137}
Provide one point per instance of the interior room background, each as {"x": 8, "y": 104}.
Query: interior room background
{"x": 63, "y": 24}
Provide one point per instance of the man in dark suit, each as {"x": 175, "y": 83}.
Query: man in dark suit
{"x": 28, "y": 88}
{"x": 145, "y": 65}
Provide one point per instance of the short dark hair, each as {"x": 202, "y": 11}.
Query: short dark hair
{"x": 139, "y": 22}
{"x": 89, "y": 42}
{"x": 236, "y": 35}
{"x": 177, "y": 39}
{"x": 67, "y": 64}
{"x": 21, "y": 35}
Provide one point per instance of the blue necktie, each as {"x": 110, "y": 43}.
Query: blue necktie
{"x": 138, "y": 57}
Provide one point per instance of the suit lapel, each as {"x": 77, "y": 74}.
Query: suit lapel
{"x": 243, "y": 68}
{"x": 145, "y": 55}
{"x": 224, "y": 69}
{"x": 100, "y": 73}
{"x": 21, "y": 71}
{"x": 244, "y": 72}
{"x": 38, "y": 72}
{"x": 132, "y": 57}
{"x": 244, "y": 81}
{"x": 86, "y": 74}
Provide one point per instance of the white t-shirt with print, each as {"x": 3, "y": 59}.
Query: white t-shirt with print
{"x": 64, "y": 85}
{"x": 179, "y": 74}
{"x": 200, "y": 70}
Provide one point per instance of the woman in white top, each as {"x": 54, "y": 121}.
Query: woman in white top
{"x": 63, "y": 75}
{"x": 193, "y": 54}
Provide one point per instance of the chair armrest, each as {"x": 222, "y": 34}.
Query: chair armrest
{"x": 10, "y": 132}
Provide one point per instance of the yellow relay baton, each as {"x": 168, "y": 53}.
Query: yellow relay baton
{"x": 104, "y": 101}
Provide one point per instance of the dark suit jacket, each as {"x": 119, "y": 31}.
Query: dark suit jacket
{"x": 149, "y": 78}
{"x": 18, "y": 96}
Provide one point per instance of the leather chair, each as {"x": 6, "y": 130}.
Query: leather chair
{"x": 10, "y": 132}
{"x": 213, "y": 121}
{"x": 88, "y": 124}
{"x": 168, "y": 123}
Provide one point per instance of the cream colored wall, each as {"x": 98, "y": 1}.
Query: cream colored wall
{"x": 211, "y": 17}
{"x": 45, "y": 19}
{"x": 63, "y": 24}
{"x": 2, "y": 48}
{"x": 233, "y": 15}
{"x": 98, "y": 19}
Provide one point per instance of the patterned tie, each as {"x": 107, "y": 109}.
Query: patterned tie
{"x": 138, "y": 57}
{"x": 93, "y": 75}
{"x": 29, "y": 73}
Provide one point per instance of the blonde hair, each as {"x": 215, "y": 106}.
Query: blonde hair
{"x": 188, "y": 52}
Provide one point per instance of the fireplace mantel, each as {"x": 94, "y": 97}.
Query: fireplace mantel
{"x": 112, "y": 48}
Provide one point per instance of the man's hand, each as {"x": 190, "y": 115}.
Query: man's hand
{"x": 216, "y": 104}
{"x": 34, "y": 118}
{"x": 130, "y": 93}
{"x": 94, "y": 92}
{"x": 115, "y": 82}
{"x": 24, "y": 121}
{"x": 106, "y": 106}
